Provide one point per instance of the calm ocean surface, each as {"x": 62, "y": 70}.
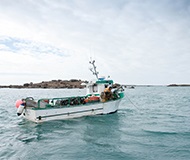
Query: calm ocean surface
{"x": 155, "y": 126}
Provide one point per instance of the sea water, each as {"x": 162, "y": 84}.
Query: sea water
{"x": 151, "y": 123}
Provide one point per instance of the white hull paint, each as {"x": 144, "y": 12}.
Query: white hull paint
{"x": 42, "y": 115}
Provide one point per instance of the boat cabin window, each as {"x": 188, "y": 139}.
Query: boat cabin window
{"x": 95, "y": 88}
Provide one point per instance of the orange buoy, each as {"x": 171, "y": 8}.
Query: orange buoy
{"x": 18, "y": 103}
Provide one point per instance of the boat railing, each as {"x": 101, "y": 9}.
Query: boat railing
{"x": 64, "y": 102}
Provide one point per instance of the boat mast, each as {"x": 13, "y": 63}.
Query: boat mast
{"x": 93, "y": 70}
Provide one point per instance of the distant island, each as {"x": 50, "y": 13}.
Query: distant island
{"x": 178, "y": 85}
{"x": 73, "y": 83}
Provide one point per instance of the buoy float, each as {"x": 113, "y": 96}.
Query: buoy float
{"x": 20, "y": 110}
{"x": 20, "y": 107}
{"x": 18, "y": 103}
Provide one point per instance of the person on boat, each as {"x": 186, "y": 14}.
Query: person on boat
{"x": 107, "y": 94}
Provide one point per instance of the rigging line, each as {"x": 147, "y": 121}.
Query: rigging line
{"x": 132, "y": 103}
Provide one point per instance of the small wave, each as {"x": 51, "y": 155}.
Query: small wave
{"x": 160, "y": 132}
{"x": 27, "y": 139}
{"x": 3, "y": 113}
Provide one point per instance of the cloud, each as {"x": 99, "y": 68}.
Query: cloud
{"x": 134, "y": 41}
{"x": 21, "y": 45}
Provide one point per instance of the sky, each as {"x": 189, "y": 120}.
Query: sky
{"x": 132, "y": 41}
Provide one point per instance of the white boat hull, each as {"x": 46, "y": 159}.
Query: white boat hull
{"x": 41, "y": 115}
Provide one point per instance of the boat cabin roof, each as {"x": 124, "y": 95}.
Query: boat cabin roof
{"x": 100, "y": 83}
{"x": 104, "y": 81}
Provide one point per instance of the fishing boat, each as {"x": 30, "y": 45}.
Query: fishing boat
{"x": 96, "y": 101}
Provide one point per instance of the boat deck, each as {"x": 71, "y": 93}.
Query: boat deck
{"x": 47, "y": 103}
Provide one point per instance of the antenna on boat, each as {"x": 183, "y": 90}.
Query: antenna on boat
{"x": 93, "y": 70}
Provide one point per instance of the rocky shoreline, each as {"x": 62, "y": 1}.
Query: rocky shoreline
{"x": 54, "y": 84}
{"x": 73, "y": 83}
{"x": 178, "y": 85}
